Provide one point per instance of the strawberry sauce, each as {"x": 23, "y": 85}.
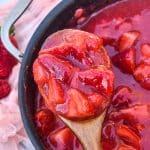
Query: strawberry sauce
{"x": 124, "y": 28}
{"x": 127, "y": 123}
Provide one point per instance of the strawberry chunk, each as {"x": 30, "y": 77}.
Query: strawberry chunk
{"x": 127, "y": 40}
{"x": 68, "y": 52}
{"x": 128, "y": 136}
{"x": 4, "y": 88}
{"x": 64, "y": 139}
{"x": 145, "y": 50}
{"x": 98, "y": 79}
{"x": 59, "y": 69}
{"x": 125, "y": 60}
{"x": 142, "y": 75}
{"x": 48, "y": 86}
{"x": 79, "y": 105}
{"x": 44, "y": 120}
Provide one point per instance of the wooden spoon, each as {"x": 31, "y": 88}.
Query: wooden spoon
{"x": 88, "y": 131}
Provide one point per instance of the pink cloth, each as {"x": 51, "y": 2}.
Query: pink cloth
{"x": 12, "y": 133}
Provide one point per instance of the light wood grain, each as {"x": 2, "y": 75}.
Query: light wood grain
{"x": 88, "y": 132}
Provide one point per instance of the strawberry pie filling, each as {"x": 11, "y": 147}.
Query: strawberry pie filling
{"x": 81, "y": 74}
{"x": 71, "y": 82}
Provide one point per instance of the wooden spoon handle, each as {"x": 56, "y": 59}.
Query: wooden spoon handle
{"x": 88, "y": 132}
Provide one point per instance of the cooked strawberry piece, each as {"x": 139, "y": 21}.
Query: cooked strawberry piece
{"x": 100, "y": 102}
{"x": 130, "y": 125}
{"x": 108, "y": 136}
{"x": 125, "y": 60}
{"x": 127, "y": 40}
{"x": 4, "y": 88}
{"x": 64, "y": 139}
{"x": 123, "y": 97}
{"x": 44, "y": 120}
{"x": 145, "y": 50}
{"x": 98, "y": 79}
{"x": 69, "y": 53}
{"x": 79, "y": 105}
{"x": 59, "y": 69}
{"x": 128, "y": 136}
{"x": 48, "y": 86}
{"x": 142, "y": 75}
{"x": 84, "y": 51}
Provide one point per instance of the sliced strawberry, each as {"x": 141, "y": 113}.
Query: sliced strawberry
{"x": 4, "y": 88}
{"x": 48, "y": 86}
{"x": 45, "y": 122}
{"x": 98, "y": 79}
{"x": 69, "y": 53}
{"x": 59, "y": 69}
{"x": 99, "y": 102}
{"x": 122, "y": 97}
{"x": 128, "y": 136}
{"x": 142, "y": 75}
{"x": 81, "y": 53}
{"x": 64, "y": 139}
{"x": 127, "y": 40}
{"x": 79, "y": 105}
{"x": 125, "y": 60}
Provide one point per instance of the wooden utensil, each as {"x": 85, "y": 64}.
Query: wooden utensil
{"x": 88, "y": 132}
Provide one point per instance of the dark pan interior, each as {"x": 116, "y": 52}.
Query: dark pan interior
{"x": 54, "y": 21}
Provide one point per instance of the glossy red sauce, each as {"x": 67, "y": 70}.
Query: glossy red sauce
{"x": 127, "y": 122}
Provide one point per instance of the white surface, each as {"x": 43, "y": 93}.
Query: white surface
{"x": 5, "y": 1}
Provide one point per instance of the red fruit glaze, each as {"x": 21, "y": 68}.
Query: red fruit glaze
{"x": 63, "y": 139}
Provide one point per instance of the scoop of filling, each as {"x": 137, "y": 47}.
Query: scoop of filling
{"x": 73, "y": 73}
